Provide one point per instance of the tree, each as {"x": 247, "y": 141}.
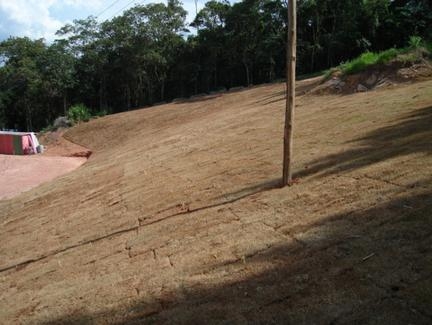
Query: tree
{"x": 83, "y": 39}
{"x": 58, "y": 68}
{"x": 22, "y": 79}
{"x": 142, "y": 56}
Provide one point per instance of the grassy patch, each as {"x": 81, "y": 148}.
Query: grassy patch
{"x": 416, "y": 50}
{"x": 369, "y": 59}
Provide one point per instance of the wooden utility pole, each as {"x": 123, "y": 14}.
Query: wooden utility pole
{"x": 290, "y": 92}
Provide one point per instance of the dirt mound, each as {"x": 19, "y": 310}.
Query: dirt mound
{"x": 56, "y": 145}
{"x": 375, "y": 77}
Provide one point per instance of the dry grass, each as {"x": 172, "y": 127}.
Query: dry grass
{"x": 178, "y": 216}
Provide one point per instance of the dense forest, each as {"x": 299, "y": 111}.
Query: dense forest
{"x": 150, "y": 54}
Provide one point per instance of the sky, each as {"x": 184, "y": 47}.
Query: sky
{"x": 42, "y": 18}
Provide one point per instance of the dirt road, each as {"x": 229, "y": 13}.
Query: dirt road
{"x": 177, "y": 217}
{"x": 22, "y": 173}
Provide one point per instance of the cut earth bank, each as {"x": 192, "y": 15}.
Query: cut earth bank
{"x": 177, "y": 217}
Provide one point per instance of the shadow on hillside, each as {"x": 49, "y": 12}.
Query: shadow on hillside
{"x": 410, "y": 134}
{"x": 272, "y": 98}
{"x": 364, "y": 267}
{"x": 302, "y": 88}
{"x": 251, "y": 190}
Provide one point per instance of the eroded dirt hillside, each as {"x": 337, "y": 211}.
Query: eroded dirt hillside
{"x": 177, "y": 216}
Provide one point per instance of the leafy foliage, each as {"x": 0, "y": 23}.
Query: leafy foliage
{"x": 415, "y": 42}
{"x": 367, "y": 59}
{"x": 79, "y": 113}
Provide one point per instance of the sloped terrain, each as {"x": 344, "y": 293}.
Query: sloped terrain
{"x": 22, "y": 173}
{"x": 377, "y": 76}
{"x": 178, "y": 217}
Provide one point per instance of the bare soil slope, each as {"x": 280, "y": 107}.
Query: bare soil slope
{"x": 177, "y": 216}
{"x": 22, "y": 173}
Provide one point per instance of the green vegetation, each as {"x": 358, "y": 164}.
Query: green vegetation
{"x": 148, "y": 54}
{"x": 414, "y": 52}
{"x": 368, "y": 59}
{"x": 79, "y": 113}
{"x": 415, "y": 42}
{"x": 428, "y": 47}
{"x": 100, "y": 113}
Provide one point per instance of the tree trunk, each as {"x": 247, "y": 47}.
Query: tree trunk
{"x": 64, "y": 104}
{"x": 128, "y": 97}
{"x": 29, "y": 125}
{"x": 312, "y": 59}
{"x": 138, "y": 91}
{"x": 247, "y": 73}
{"x": 163, "y": 91}
{"x": 100, "y": 95}
{"x": 290, "y": 95}
{"x": 103, "y": 104}
{"x": 215, "y": 80}
{"x": 271, "y": 72}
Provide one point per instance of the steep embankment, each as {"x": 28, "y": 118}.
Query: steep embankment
{"x": 177, "y": 215}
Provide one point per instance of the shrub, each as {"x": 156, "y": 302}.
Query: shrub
{"x": 101, "y": 113}
{"x": 79, "y": 113}
{"x": 387, "y": 56}
{"x": 360, "y": 63}
{"x": 416, "y": 50}
{"x": 415, "y": 42}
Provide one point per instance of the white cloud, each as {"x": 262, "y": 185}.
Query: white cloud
{"x": 34, "y": 18}
{"x": 29, "y": 18}
{"x": 90, "y": 4}
{"x": 42, "y": 18}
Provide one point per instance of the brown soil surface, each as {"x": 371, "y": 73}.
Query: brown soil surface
{"x": 177, "y": 216}
{"x": 22, "y": 173}
{"x": 56, "y": 145}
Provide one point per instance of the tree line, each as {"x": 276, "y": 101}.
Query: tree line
{"x": 149, "y": 54}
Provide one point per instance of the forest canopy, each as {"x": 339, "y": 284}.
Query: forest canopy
{"x": 149, "y": 55}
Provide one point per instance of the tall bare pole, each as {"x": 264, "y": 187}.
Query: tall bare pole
{"x": 290, "y": 92}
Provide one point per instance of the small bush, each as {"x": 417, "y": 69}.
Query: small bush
{"x": 368, "y": 59}
{"x": 416, "y": 50}
{"x": 360, "y": 63}
{"x": 387, "y": 56}
{"x": 79, "y": 113}
{"x": 101, "y": 113}
{"x": 415, "y": 42}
